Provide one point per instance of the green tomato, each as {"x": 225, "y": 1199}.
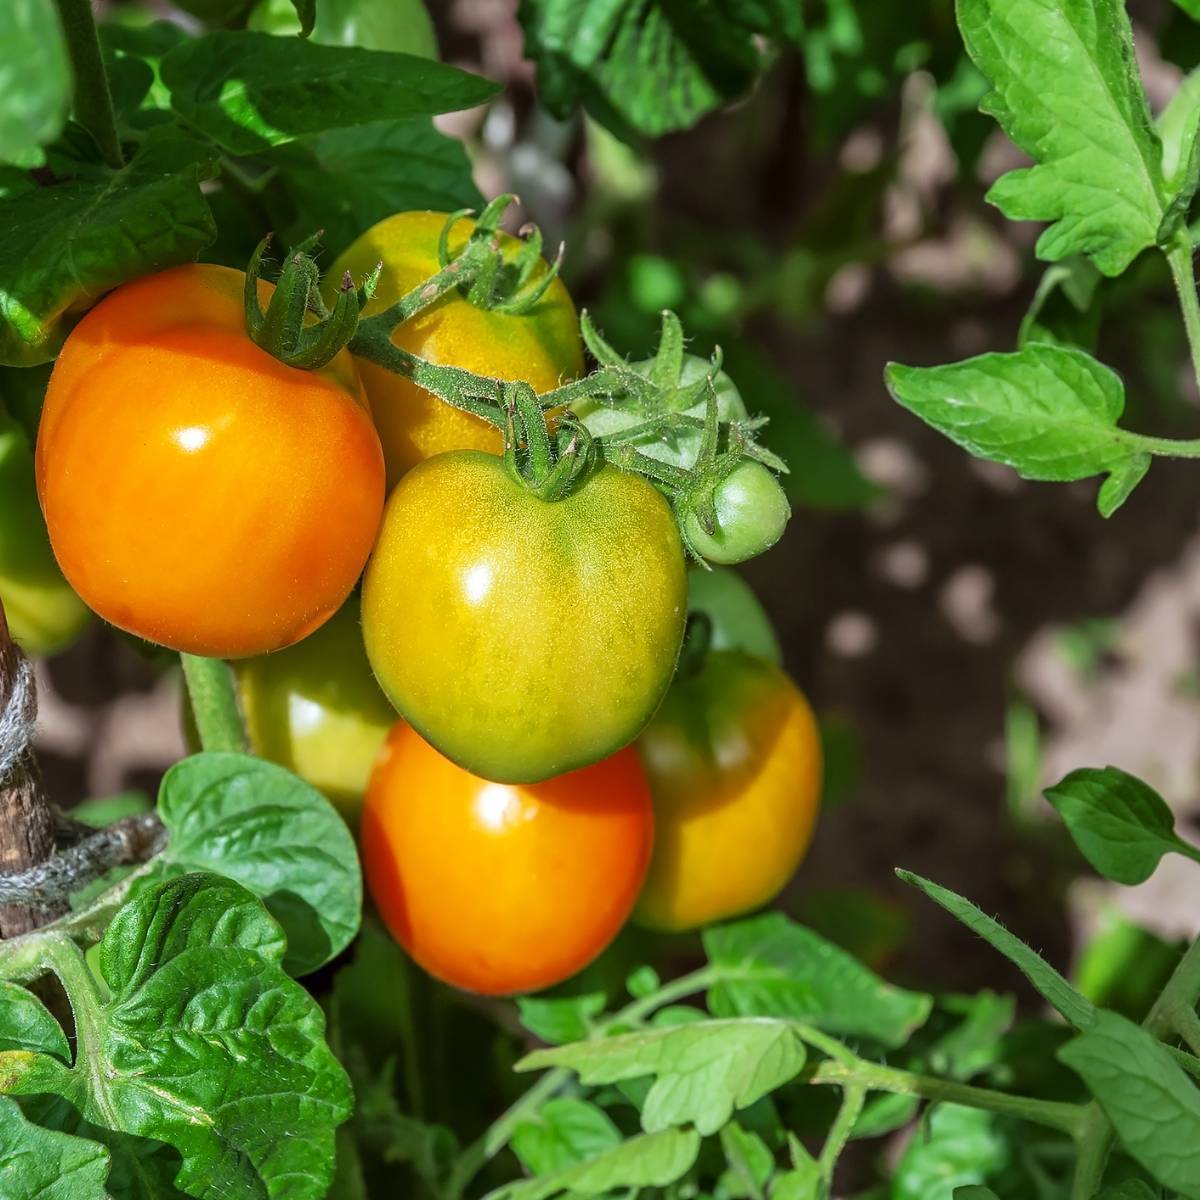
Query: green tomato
{"x": 678, "y": 447}
{"x": 44, "y": 614}
{"x": 752, "y": 513}
{"x": 524, "y": 638}
{"x": 738, "y": 621}
{"x": 400, "y": 25}
{"x": 316, "y": 709}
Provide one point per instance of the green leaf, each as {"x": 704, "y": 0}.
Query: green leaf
{"x": 750, "y": 1160}
{"x": 1130, "y": 1189}
{"x": 974, "y": 1044}
{"x": 1065, "y": 310}
{"x": 39, "y": 1164}
{"x": 769, "y": 966}
{"x": 252, "y": 821}
{"x": 649, "y": 1161}
{"x": 79, "y": 239}
{"x": 346, "y": 180}
{"x": 974, "y": 1191}
{"x": 250, "y": 91}
{"x": 1152, "y": 1105}
{"x": 885, "y": 1113}
{"x": 703, "y": 1071}
{"x": 960, "y": 1147}
{"x": 26, "y": 1025}
{"x": 1098, "y": 176}
{"x": 1050, "y": 984}
{"x": 650, "y": 65}
{"x": 35, "y": 80}
{"x": 1121, "y": 825}
{"x": 306, "y": 10}
{"x": 1179, "y": 128}
{"x": 1050, "y": 412}
{"x": 205, "y": 1071}
{"x": 562, "y": 1133}
{"x": 558, "y": 1019}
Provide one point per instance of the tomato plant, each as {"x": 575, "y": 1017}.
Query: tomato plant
{"x": 500, "y": 888}
{"x": 540, "y": 346}
{"x": 472, "y": 562}
{"x": 217, "y": 481}
{"x": 734, "y": 763}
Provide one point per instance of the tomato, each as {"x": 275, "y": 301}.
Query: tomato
{"x": 679, "y": 447}
{"x": 501, "y": 889}
{"x": 44, "y": 614}
{"x": 198, "y": 492}
{"x": 734, "y": 763}
{"x": 524, "y": 637}
{"x": 542, "y": 347}
{"x": 752, "y": 513}
{"x": 738, "y": 621}
{"x": 402, "y": 25}
{"x": 316, "y": 709}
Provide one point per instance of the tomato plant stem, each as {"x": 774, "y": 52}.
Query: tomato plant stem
{"x": 854, "y": 1096}
{"x": 1179, "y": 256}
{"x": 1176, "y": 1003}
{"x": 214, "y": 704}
{"x": 1093, "y": 1143}
{"x": 93, "y": 100}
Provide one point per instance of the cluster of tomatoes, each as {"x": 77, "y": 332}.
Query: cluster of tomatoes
{"x": 552, "y": 773}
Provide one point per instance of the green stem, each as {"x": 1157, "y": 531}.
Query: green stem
{"x": 1092, "y": 1146}
{"x": 854, "y": 1096}
{"x": 93, "y": 101}
{"x": 1178, "y": 997}
{"x": 1179, "y": 256}
{"x": 214, "y": 704}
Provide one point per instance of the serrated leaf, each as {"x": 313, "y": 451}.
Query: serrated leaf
{"x": 769, "y": 966}
{"x": 35, "y": 80}
{"x": 960, "y": 1147}
{"x": 1076, "y": 1008}
{"x": 651, "y": 1160}
{"x": 251, "y": 91}
{"x": 703, "y": 1071}
{"x": 39, "y": 1164}
{"x": 1050, "y": 412}
{"x": 83, "y": 237}
{"x": 205, "y": 1071}
{"x": 1121, "y": 825}
{"x": 252, "y": 821}
{"x": 558, "y": 1019}
{"x": 346, "y": 180}
{"x": 561, "y": 1133}
{"x": 1066, "y": 90}
{"x": 1152, "y": 1105}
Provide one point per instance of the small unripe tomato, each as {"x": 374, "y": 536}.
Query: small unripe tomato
{"x": 541, "y": 347}
{"x": 752, "y": 513}
{"x": 524, "y": 637}
{"x": 198, "y": 492}
{"x": 316, "y": 709}
{"x": 738, "y": 621}
{"x": 44, "y": 614}
{"x": 680, "y": 447}
{"x": 501, "y": 889}
{"x": 733, "y": 757}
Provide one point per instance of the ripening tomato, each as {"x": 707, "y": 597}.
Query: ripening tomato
{"x": 752, "y": 513}
{"x": 524, "y": 637}
{"x": 738, "y": 621}
{"x": 542, "y": 347}
{"x": 734, "y": 762}
{"x": 316, "y": 709}
{"x": 498, "y": 888}
{"x": 44, "y": 614}
{"x": 198, "y": 492}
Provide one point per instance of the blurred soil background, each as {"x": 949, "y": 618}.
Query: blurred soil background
{"x": 968, "y": 638}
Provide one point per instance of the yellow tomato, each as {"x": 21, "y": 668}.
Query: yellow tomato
{"x": 541, "y": 347}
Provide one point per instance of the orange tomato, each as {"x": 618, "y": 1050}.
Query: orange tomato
{"x": 733, "y": 757}
{"x": 542, "y": 347}
{"x": 497, "y": 888}
{"x": 198, "y": 492}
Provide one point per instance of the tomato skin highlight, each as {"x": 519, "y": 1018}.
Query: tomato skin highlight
{"x": 316, "y": 709}
{"x": 500, "y": 889}
{"x": 542, "y": 347}
{"x": 198, "y": 492}
{"x": 733, "y": 757}
{"x": 524, "y": 638}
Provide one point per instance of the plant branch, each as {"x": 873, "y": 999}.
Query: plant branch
{"x": 214, "y": 704}
{"x": 1179, "y": 256}
{"x": 854, "y": 1096}
{"x": 93, "y": 101}
{"x": 1177, "y": 1000}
